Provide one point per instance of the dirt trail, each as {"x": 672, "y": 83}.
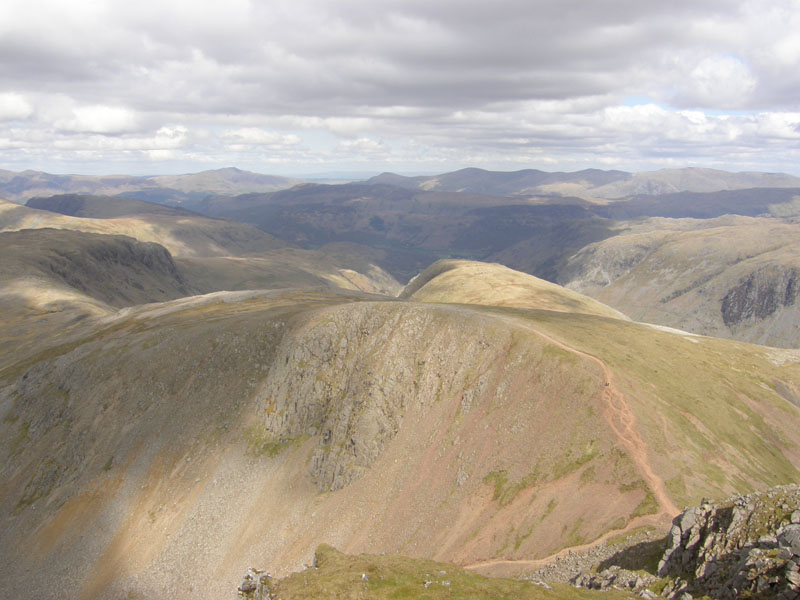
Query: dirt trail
{"x": 622, "y": 421}
{"x": 536, "y": 563}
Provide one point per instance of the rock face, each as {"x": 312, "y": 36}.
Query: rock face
{"x": 117, "y": 270}
{"x": 732, "y": 277}
{"x": 255, "y": 585}
{"x": 746, "y": 546}
{"x": 760, "y": 295}
{"x": 348, "y": 377}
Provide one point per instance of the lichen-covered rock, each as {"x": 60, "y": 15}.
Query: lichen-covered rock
{"x": 347, "y": 378}
{"x": 615, "y": 577}
{"x": 255, "y": 585}
{"x": 746, "y": 545}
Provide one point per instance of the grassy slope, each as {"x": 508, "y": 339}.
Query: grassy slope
{"x": 216, "y": 254}
{"x": 468, "y": 282}
{"x": 183, "y": 236}
{"x": 339, "y": 576}
{"x": 676, "y": 272}
{"x": 503, "y": 449}
{"x": 724, "y": 411}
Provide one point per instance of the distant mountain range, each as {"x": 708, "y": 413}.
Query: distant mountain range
{"x": 20, "y": 186}
{"x": 593, "y": 183}
{"x": 589, "y": 183}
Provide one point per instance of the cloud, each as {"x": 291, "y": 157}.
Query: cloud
{"x": 256, "y": 136}
{"x": 505, "y": 82}
{"x": 363, "y": 146}
{"x": 99, "y": 119}
{"x": 14, "y": 106}
{"x": 717, "y": 81}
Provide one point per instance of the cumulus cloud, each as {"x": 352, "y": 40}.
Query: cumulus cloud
{"x": 719, "y": 82}
{"x": 362, "y": 146}
{"x": 98, "y": 119}
{"x": 510, "y": 83}
{"x": 14, "y": 106}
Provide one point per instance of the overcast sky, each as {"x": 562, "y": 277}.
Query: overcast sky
{"x": 304, "y": 86}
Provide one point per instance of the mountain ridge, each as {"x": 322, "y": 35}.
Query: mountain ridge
{"x": 251, "y": 403}
{"x": 21, "y": 186}
{"x": 592, "y": 183}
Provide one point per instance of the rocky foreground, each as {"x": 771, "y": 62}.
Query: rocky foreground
{"x": 744, "y": 547}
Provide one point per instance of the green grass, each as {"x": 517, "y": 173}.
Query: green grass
{"x": 339, "y": 576}
{"x": 712, "y": 411}
{"x": 570, "y": 464}
{"x": 648, "y": 505}
{"x": 18, "y": 442}
{"x": 505, "y": 491}
{"x": 549, "y": 510}
{"x": 261, "y": 442}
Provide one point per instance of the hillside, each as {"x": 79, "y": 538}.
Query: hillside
{"x": 468, "y": 282}
{"x": 412, "y": 228}
{"x": 52, "y": 280}
{"x": 745, "y": 546}
{"x": 338, "y": 576}
{"x": 177, "y": 444}
{"x": 212, "y": 254}
{"x": 183, "y": 233}
{"x": 103, "y": 207}
{"x": 731, "y": 277}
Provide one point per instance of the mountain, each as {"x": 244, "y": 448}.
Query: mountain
{"x": 185, "y": 396}
{"x": 174, "y": 189}
{"x": 590, "y": 183}
{"x": 745, "y": 546}
{"x": 103, "y": 207}
{"x": 414, "y": 228}
{"x": 733, "y": 276}
{"x": 750, "y": 202}
{"x": 211, "y": 254}
{"x": 162, "y": 449}
{"x": 402, "y": 231}
{"x": 469, "y": 282}
{"x": 181, "y": 232}
{"x": 409, "y": 229}
{"x": 501, "y": 183}
{"x": 51, "y": 280}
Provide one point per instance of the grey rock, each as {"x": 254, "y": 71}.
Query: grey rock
{"x": 790, "y": 537}
{"x": 727, "y": 553}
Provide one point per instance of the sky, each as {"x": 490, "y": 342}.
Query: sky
{"x": 320, "y": 86}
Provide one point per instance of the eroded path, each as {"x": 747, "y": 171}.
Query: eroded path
{"x": 621, "y": 419}
{"x": 535, "y": 563}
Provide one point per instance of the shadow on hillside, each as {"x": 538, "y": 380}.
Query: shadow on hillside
{"x": 642, "y": 556}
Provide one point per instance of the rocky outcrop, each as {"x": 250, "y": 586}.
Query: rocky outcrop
{"x": 616, "y": 577}
{"x": 348, "y": 377}
{"x": 746, "y": 546}
{"x": 761, "y": 294}
{"x": 255, "y": 585}
{"x": 117, "y": 270}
